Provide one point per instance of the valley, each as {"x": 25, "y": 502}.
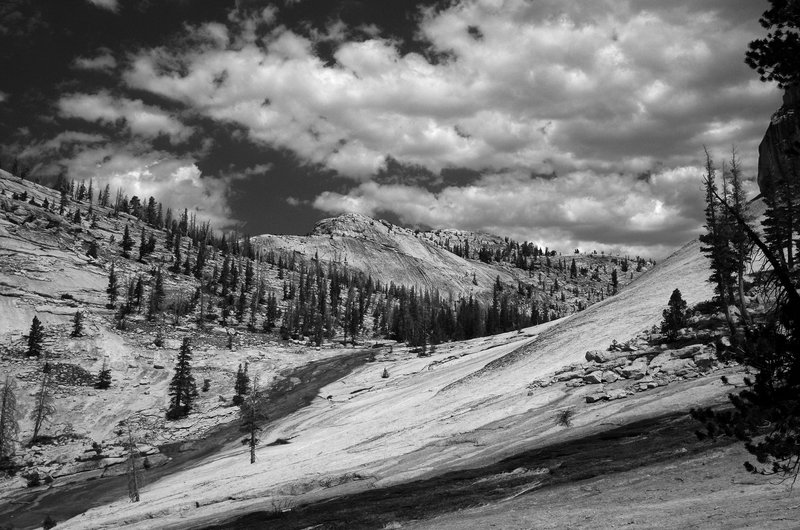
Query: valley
{"x": 394, "y": 414}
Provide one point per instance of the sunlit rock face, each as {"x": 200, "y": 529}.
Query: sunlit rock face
{"x": 779, "y": 152}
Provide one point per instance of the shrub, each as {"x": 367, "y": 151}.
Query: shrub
{"x": 564, "y": 417}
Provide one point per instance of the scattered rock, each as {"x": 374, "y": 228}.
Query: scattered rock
{"x": 602, "y": 356}
{"x": 610, "y": 376}
{"x": 706, "y": 361}
{"x": 687, "y": 352}
{"x": 593, "y": 378}
{"x": 616, "y": 393}
{"x": 597, "y": 396}
{"x": 635, "y": 370}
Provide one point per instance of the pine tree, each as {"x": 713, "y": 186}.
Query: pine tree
{"x": 77, "y": 325}
{"x": 573, "y": 269}
{"x": 157, "y": 296}
{"x": 44, "y": 405}
{"x": 614, "y": 281}
{"x": 103, "y": 377}
{"x": 716, "y": 244}
{"x": 252, "y": 412}
{"x": 182, "y": 388}
{"x": 200, "y": 262}
{"x": 113, "y": 287}
{"x": 35, "y": 338}
{"x": 674, "y": 316}
{"x": 92, "y": 252}
{"x": 142, "y": 245}
{"x": 126, "y": 243}
{"x": 9, "y": 426}
{"x": 242, "y": 385}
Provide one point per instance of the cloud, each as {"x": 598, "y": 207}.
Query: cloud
{"x": 141, "y": 119}
{"x": 111, "y": 5}
{"x": 3, "y": 97}
{"x": 176, "y": 182}
{"x": 616, "y": 212}
{"x": 606, "y": 86}
{"x": 102, "y": 61}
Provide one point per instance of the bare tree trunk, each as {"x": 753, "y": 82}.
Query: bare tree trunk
{"x": 133, "y": 474}
{"x": 742, "y": 306}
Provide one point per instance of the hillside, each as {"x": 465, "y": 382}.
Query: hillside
{"x": 57, "y": 253}
{"x": 393, "y": 254}
{"x": 469, "y": 404}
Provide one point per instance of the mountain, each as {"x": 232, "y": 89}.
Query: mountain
{"x": 343, "y": 420}
{"x": 393, "y": 254}
{"x": 468, "y": 405}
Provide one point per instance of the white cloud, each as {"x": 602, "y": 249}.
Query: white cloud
{"x": 611, "y": 86}
{"x": 111, "y": 5}
{"x": 176, "y": 182}
{"x": 141, "y": 119}
{"x": 580, "y": 209}
{"x": 102, "y": 61}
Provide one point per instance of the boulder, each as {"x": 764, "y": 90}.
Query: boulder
{"x": 635, "y": 370}
{"x": 706, "y": 361}
{"x": 616, "y": 393}
{"x": 658, "y": 361}
{"x": 593, "y": 378}
{"x": 680, "y": 367}
{"x": 610, "y": 376}
{"x": 567, "y": 376}
{"x": 687, "y": 352}
{"x": 597, "y": 396}
{"x": 603, "y": 356}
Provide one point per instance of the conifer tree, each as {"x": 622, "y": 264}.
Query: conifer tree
{"x": 77, "y": 325}
{"x": 253, "y": 413}
{"x": 9, "y": 426}
{"x": 92, "y": 252}
{"x": 103, "y": 377}
{"x": 157, "y": 296}
{"x": 182, "y": 388}
{"x": 35, "y": 338}
{"x": 126, "y": 243}
{"x": 242, "y": 384}
{"x": 716, "y": 244}
{"x": 44, "y": 405}
{"x": 674, "y": 316}
{"x": 113, "y": 287}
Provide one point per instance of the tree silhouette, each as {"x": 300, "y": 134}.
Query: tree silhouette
{"x": 44, "y": 405}
{"x": 674, "y": 316}
{"x": 9, "y": 427}
{"x": 35, "y": 338}
{"x": 777, "y": 56}
{"x": 77, "y": 325}
{"x": 182, "y": 388}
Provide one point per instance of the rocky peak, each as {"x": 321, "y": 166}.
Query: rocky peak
{"x": 352, "y": 225}
{"x": 781, "y": 143}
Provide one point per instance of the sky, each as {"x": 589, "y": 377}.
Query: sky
{"x": 571, "y": 124}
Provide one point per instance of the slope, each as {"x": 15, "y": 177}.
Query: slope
{"x": 469, "y": 404}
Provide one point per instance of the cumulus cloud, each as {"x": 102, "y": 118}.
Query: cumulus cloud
{"x": 103, "y": 61}
{"x": 141, "y": 119}
{"x": 111, "y": 5}
{"x": 175, "y": 181}
{"x": 604, "y": 86}
{"x": 615, "y": 212}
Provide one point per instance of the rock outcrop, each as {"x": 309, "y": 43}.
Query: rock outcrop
{"x": 780, "y": 148}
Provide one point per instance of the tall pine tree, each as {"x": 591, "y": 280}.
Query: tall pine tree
{"x": 182, "y": 388}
